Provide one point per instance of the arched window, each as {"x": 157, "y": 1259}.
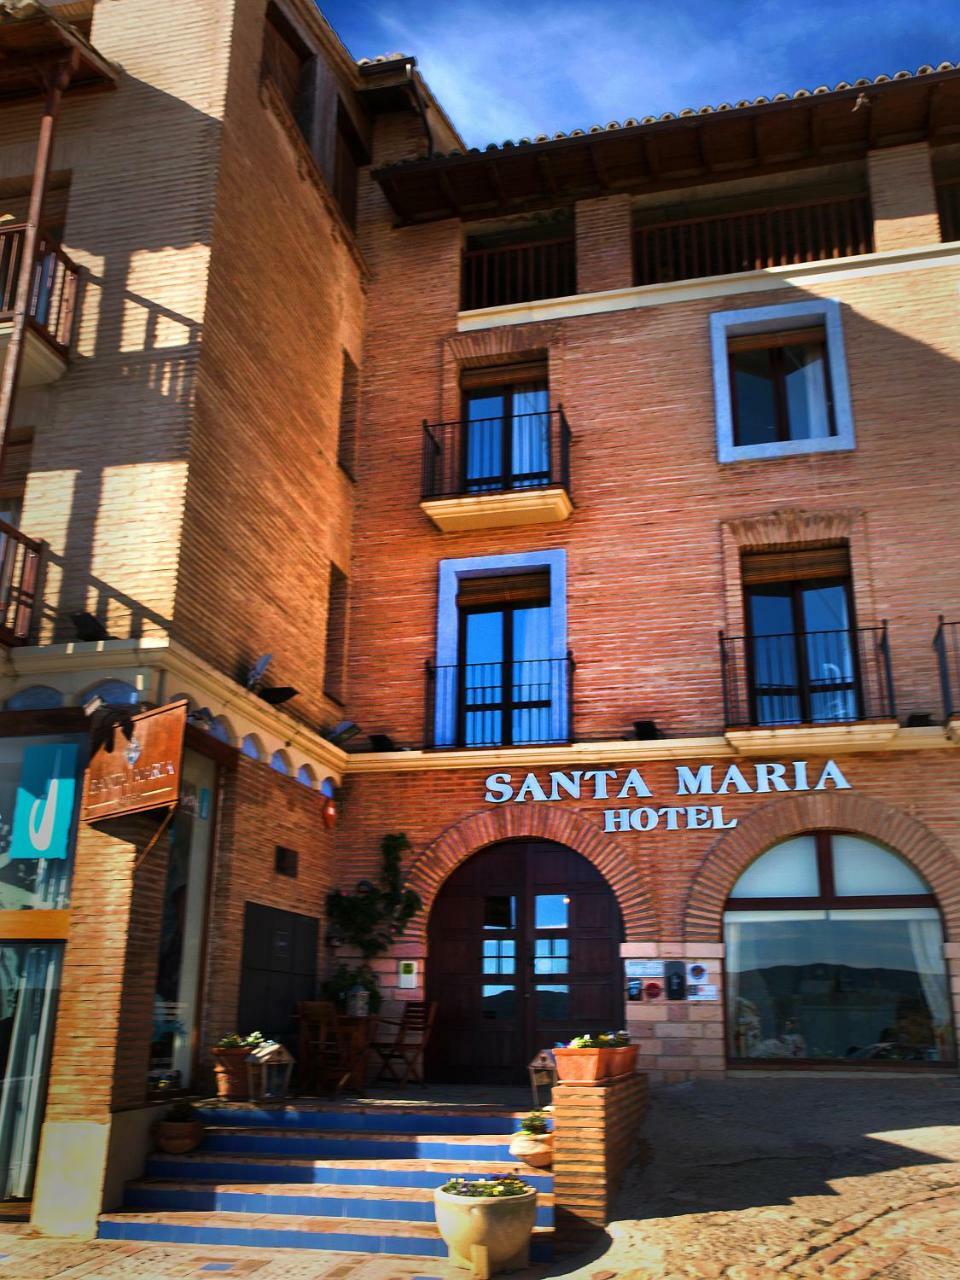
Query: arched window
{"x": 280, "y": 763}
{"x": 252, "y": 747}
{"x": 834, "y": 953}
{"x": 116, "y": 693}
{"x": 37, "y": 697}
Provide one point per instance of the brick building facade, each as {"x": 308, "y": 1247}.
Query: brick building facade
{"x": 589, "y": 493}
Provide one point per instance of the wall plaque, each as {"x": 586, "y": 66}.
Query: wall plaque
{"x": 140, "y": 768}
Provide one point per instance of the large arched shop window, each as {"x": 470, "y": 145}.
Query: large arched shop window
{"x": 834, "y": 953}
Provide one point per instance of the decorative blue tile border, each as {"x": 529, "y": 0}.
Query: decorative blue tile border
{"x": 727, "y": 324}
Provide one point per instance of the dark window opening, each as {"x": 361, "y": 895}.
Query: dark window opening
{"x": 536, "y": 259}
{"x": 802, "y": 654}
{"x": 335, "y": 673}
{"x": 349, "y": 158}
{"x": 349, "y": 416}
{"x": 780, "y": 384}
{"x": 288, "y": 63}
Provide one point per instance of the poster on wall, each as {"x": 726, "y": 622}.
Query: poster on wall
{"x": 137, "y": 766}
{"x": 43, "y": 809}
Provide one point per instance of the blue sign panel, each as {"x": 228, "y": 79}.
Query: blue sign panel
{"x": 43, "y": 813}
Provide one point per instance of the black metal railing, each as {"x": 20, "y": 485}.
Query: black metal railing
{"x": 946, "y": 644}
{"x": 496, "y": 704}
{"x": 492, "y": 455}
{"x": 519, "y": 273}
{"x": 21, "y": 563}
{"x": 53, "y": 285}
{"x": 810, "y": 677}
{"x": 752, "y": 239}
{"x": 948, "y": 207}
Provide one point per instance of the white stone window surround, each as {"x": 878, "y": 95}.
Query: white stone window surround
{"x": 822, "y": 312}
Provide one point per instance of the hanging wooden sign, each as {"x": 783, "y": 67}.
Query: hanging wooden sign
{"x": 138, "y": 766}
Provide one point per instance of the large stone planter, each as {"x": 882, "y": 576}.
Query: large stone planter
{"x": 487, "y": 1235}
{"x": 534, "y": 1149}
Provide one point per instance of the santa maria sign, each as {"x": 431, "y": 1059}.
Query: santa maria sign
{"x": 702, "y": 780}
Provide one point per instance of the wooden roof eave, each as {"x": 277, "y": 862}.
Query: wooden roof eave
{"x": 32, "y": 42}
{"x": 469, "y": 179}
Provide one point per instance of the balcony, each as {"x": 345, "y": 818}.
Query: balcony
{"x": 813, "y": 689}
{"x": 50, "y": 309}
{"x": 948, "y": 206}
{"x": 946, "y": 645}
{"x": 21, "y": 560}
{"x": 504, "y": 274}
{"x": 489, "y": 472}
{"x": 752, "y": 240}
{"x": 497, "y": 704}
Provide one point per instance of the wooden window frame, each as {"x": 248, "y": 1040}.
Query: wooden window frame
{"x": 775, "y": 342}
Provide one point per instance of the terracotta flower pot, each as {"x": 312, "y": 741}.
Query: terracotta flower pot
{"x": 487, "y": 1234}
{"x": 534, "y": 1149}
{"x": 230, "y": 1069}
{"x": 582, "y": 1066}
{"x": 625, "y": 1059}
{"x": 176, "y": 1137}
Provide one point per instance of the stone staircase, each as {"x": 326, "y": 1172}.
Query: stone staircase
{"x": 350, "y": 1178}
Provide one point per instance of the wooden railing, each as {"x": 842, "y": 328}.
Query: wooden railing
{"x": 948, "y": 206}
{"x": 751, "y": 240}
{"x": 21, "y": 561}
{"x": 53, "y": 285}
{"x": 519, "y": 273}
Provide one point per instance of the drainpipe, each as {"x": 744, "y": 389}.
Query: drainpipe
{"x": 56, "y": 77}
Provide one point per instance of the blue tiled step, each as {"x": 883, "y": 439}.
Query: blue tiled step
{"x": 366, "y": 1120}
{"x": 357, "y": 1144}
{"x": 401, "y": 1204}
{"x": 351, "y": 1235}
{"x": 224, "y": 1167}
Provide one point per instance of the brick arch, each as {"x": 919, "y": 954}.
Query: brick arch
{"x": 521, "y": 822}
{"x": 828, "y": 810}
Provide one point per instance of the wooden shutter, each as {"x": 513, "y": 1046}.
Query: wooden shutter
{"x": 777, "y": 338}
{"x": 503, "y": 375}
{"x": 832, "y": 561}
{"x": 512, "y": 588}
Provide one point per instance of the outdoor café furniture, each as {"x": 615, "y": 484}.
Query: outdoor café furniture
{"x": 402, "y": 1053}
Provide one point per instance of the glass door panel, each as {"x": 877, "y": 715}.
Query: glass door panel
{"x": 831, "y": 670}
{"x": 482, "y": 678}
{"x": 532, "y": 675}
{"x": 530, "y": 436}
{"x": 483, "y": 450}
{"x": 773, "y": 656}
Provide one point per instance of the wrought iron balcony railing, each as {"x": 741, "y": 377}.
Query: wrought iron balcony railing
{"x": 946, "y": 644}
{"x": 21, "y": 562}
{"x": 53, "y": 285}
{"x": 811, "y": 677}
{"x": 496, "y": 704}
{"x": 518, "y": 273}
{"x": 728, "y": 243}
{"x": 496, "y": 455}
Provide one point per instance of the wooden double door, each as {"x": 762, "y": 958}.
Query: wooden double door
{"x": 524, "y": 951}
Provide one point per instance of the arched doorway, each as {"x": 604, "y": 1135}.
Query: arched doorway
{"x": 524, "y": 950}
{"x": 834, "y": 956}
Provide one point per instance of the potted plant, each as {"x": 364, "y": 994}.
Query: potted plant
{"x": 180, "y": 1130}
{"x": 230, "y": 1065}
{"x": 486, "y": 1223}
{"x": 533, "y": 1141}
{"x": 585, "y": 1060}
{"x": 625, "y": 1054}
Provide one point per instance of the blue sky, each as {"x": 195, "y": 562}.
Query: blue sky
{"x": 508, "y": 70}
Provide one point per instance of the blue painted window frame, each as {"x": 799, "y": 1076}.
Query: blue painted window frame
{"x": 448, "y": 630}
{"x": 791, "y": 315}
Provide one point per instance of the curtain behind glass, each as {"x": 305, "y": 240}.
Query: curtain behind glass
{"x": 530, "y": 450}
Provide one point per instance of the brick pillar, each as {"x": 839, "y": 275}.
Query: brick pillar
{"x": 903, "y": 197}
{"x": 104, "y": 1020}
{"x": 596, "y": 1127}
{"x": 604, "y": 244}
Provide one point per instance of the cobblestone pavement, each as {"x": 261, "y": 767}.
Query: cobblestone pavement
{"x": 744, "y": 1179}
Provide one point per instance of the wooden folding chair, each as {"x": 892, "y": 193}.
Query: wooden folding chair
{"x": 323, "y": 1064}
{"x": 402, "y": 1057}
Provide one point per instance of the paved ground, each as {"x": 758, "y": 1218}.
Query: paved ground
{"x": 748, "y": 1179}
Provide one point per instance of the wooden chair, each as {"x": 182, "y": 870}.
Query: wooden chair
{"x": 402, "y": 1056}
{"x": 324, "y": 1066}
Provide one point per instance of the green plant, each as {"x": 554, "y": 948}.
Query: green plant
{"x": 373, "y": 915}
{"x": 181, "y": 1113}
{"x": 487, "y": 1188}
{"x": 253, "y": 1040}
{"x": 584, "y": 1042}
{"x": 536, "y": 1122}
{"x": 344, "y": 978}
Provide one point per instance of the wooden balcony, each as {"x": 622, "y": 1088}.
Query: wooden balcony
{"x": 21, "y": 562}
{"x": 505, "y": 274}
{"x": 752, "y": 240}
{"x": 51, "y": 306}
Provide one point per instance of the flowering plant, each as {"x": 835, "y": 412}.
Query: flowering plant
{"x": 487, "y": 1188}
{"x": 606, "y": 1040}
{"x": 534, "y": 1122}
{"x": 253, "y": 1040}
